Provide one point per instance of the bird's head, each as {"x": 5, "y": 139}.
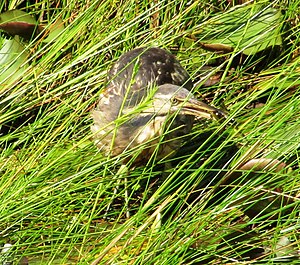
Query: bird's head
{"x": 170, "y": 99}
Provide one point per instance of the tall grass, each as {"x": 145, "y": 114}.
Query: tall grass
{"x": 55, "y": 185}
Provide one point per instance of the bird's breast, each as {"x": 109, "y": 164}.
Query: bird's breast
{"x": 151, "y": 130}
{"x": 159, "y": 137}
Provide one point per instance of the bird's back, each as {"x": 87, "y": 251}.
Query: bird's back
{"x": 140, "y": 68}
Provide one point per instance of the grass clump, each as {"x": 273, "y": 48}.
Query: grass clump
{"x": 55, "y": 185}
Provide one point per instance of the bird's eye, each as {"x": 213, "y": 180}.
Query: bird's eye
{"x": 174, "y": 101}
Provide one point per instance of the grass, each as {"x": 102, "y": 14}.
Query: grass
{"x": 55, "y": 185}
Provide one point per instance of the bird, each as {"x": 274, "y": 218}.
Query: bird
{"x": 147, "y": 97}
{"x": 145, "y": 112}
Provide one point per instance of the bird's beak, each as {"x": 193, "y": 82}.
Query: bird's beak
{"x": 200, "y": 109}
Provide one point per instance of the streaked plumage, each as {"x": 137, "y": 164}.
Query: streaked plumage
{"x": 151, "y": 89}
